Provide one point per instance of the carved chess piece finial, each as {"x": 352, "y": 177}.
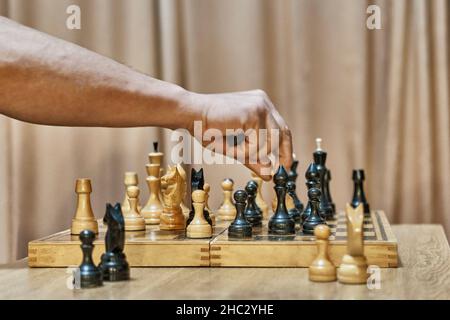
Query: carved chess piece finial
{"x": 199, "y": 227}
{"x": 359, "y": 195}
{"x": 311, "y": 217}
{"x": 240, "y": 227}
{"x": 84, "y": 216}
{"x": 172, "y": 217}
{"x": 212, "y": 216}
{"x": 131, "y": 179}
{"x": 133, "y": 220}
{"x": 113, "y": 262}
{"x": 252, "y": 212}
{"x": 322, "y": 269}
{"x": 353, "y": 268}
{"x": 90, "y": 275}
{"x": 296, "y": 211}
{"x": 280, "y": 223}
{"x": 320, "y": 158}
{"x": 227, "y": 211}
{"x": 259, "y": 198}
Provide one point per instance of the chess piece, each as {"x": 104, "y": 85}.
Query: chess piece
{"x": 172, "y": 217}
{"x": 322, "y": 269}
{"x": 353, "y": 268}
{"x": 359, "y": 195}
{"x": 131, "y": 179}
{"x": 227, "y": 211}
{"x": 240, "y": 228}
{"x": 153, "y": 208}
{"x": 311, "y": 217}
{"x": 294, "y": 213}
{"x": 184, "y": 208}
{"x": 212, "y": 216}
{"x": 155, "y": 157}
{"x": 280, "y": 223}
{"x": 90, "y": 275}
{"x": 252, "y": 213}
{"x": 133, "y": 220}
{"x": 320, "y": 157}
{"x": 84, "y": 216}
{"x": 259, "y": 198}
{"x": 197, "y": 183}
{"x": 326, "y": 189}
{"x": 199, "y": 227}
{"x": 113, "y": 262}
{"x": 292, "y": 176}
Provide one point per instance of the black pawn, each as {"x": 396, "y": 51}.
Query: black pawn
{"x": 197, "y": 182}
{"x": 294, "y": 213}
{"x": 90, "y": 275}
{"x": 113, "y": 262}
{"x": 280, "y": 223}
{"x": 292, "y": 176}
{"x": 358, "y": 191}
{"x": 325, "y": 208}
{"x": 240, "y": 227}
{"x": 326, "y": 189}
{"x": 252, "y": 212}
{"x": 310, "y": 216}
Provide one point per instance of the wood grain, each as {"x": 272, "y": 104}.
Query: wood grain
{"x": 423, "y": 273}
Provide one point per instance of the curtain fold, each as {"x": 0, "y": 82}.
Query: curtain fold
{"x": 378, "y": 98}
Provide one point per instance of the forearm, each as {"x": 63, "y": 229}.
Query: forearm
{"x": 49, "y": 81}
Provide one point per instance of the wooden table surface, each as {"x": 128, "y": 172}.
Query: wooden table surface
{"x": 424, "y": 273}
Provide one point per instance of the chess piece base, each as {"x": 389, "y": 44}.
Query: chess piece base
{"x": 199, "y": 231}
{"x": 114, "y": 267}
{"x": 80, "y": 225}
{"x": 172, "y": 219}
{"x": 239, "y": 231}
{"x": 281, "y": 226}
{"x": 309, "y": 225}
{"x": 90, "y": 279}
{"x": 353, "y": 270}
{"x": 151, "y": 215}
{"x": 134, "y": 224}
{"x": 322, "y": 273}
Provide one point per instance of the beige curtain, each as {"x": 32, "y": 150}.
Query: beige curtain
{"x": 378, "y": 98}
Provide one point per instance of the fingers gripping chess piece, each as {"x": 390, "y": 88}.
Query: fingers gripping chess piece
{"x": 212, "y": 216}
{"x": 320, "y": 158}
{"x": 90, "y": 275}
{"x": 280, "y": 223}
{"x": 153, "y": 208}
{"x": 172, "y": 217}
{"x": 311, "y": 217}
{"x": 131, "y": 179}
{"x": 240, "y": 227}
{"x": 84, "y": 216}
{"x": 133, "y": 220}
{"x": 359, "y": 196}
{"x": 227, "y": 211}
{"x": 252, "y": 212}
{"x": 113, "y": 262}
{"x": 259, "y": 198}
{"x": 322, "y": 269}
{"x": 353, "y": 268}
{"x": 199, "y": 227}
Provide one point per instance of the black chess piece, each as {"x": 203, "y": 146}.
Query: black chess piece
{"x": 197, "y": 182}
{"x": 90, "y": 275}
{"x": 358, "y": 191}
{"x": 252, "y": 212}
{"x": 155, "y": 146}
{"x": 292, "y": 176}
{"x": 320, "y": 157}
{"x": 280, "y": 223}
{"x": 311, "y": 216}
{"x": 113, "y": 262}
{"x": 294, "y": 213}
{"x": 240, "y": 227}
{"x": 326, "y": 189}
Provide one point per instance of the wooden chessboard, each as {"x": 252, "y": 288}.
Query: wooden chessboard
{"x": 155, "y": 247}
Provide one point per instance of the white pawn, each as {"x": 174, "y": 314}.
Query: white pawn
{"x": 227, "y": 210}
{"x": 133, "y": 220}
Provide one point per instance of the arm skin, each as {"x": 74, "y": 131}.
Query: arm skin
{"x": 45, "y": 80}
